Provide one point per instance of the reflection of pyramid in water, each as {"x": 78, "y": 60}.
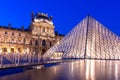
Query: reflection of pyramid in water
{"x": 89, "y": 39}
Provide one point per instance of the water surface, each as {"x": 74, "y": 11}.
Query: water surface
{"x": 75, "y": 70}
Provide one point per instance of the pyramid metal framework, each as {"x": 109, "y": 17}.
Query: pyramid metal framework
{"x": 89, "y": 40}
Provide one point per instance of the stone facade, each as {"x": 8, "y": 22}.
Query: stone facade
{"x": 37, "y": 39}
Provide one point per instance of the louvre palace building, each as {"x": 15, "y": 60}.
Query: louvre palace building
{"x": 38, "y": 38}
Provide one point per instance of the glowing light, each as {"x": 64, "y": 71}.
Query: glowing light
{"x": 0, "y": 51}
{"x": 41, "y": 20}
{"x": 116, "y": 71}
{"x": 87, "y": 75}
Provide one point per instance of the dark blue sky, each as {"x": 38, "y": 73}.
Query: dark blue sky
{"x": 66, "y": 13}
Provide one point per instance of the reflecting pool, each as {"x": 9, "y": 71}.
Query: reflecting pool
{"x": 73, "y": 70}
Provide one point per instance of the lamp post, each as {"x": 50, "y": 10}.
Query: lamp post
{"x": 27, "y": 56}
{"x": 38, "y": 54}
{"x": 24, "y": 51}
{"x": 30, "y": 54}
{"x": 17, "y": 53}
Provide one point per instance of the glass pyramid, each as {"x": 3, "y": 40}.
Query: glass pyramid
{"x": 88, "y": 40}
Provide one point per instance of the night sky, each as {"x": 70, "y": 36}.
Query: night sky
{"x": 66, "y": 13}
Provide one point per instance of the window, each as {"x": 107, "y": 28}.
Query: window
{"x": 19, "y": 34}
{"x": 50, "y": 43}
{"x": 19, "y": 50}
{"x": 36, "y": 42}
{"x": 12, "y": 49}
{"x": 43, "y": 43}
{"x": 5, "y": 32}
{"x": 12, "y": 39}
{"x": 12, "y": 33}
{"x": 24, "y": 40}
{"x": 4, "y": 49}
{"x": 43, "y": 30}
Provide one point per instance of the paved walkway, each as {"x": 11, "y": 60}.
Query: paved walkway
{"x": 7, "y": 66}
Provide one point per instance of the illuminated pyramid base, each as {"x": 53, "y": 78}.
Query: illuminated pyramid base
{"x": 89, "y": 39}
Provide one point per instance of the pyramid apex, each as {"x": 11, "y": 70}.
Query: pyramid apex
{"x": 89, "y": 16}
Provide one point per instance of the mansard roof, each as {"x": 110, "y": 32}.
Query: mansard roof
{"x": 13, "y": 28}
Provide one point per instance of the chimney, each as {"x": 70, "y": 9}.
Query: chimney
{"x": 51, "y": 18}
{"x": 22, "y": 27}
{"x": 9, "y": 25}
{"x": 32, "y": 16}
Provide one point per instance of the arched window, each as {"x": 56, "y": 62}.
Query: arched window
{"x": 12, "y": 49}
{"x": 4, "y": 49}
{"x": 36, "y": 42}
{"x": 43, "y": 43}
{"x": 19, "y": 50}
{"x": 19, "y": 34}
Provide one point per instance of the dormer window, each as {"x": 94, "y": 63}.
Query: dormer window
{"x": 5, "y": 32}
{"x": 12, "y": 33}
{"x": 19, "y": 34}
{"x": 43, "y": 30}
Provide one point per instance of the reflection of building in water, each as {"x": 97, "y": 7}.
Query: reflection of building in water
{"x": 89, "y": 39}
{"x": 38, "y": 38}
{"x": 90, "y": 70}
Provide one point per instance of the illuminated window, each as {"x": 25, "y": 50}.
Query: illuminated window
{"x": 19, "y": 50}
{"x": 4, "y": 49}
{"x": 43, "y": 43}
{"x": 12, "y": 49}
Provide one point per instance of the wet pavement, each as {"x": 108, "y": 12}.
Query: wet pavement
{"x": 75, "y": 70}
